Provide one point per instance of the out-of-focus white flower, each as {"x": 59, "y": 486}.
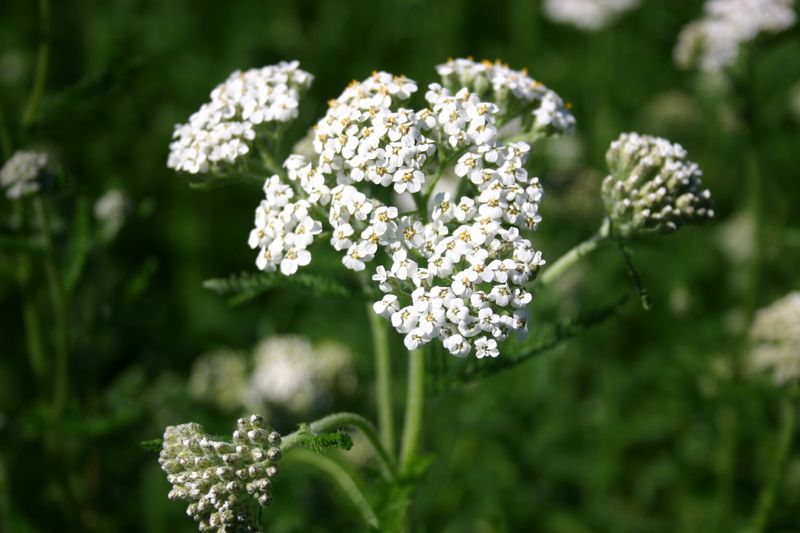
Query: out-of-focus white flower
{"x": 224, "y": 482}
{"x": 588, "y": 15}
{"x": 220, "y": 377}
{"x": 20, "y": 174}
{"x": 712, "y": 42}
{"x": 652, "y": 187}
{"x": 289, "y": 371}
{"x": 111, "y": 209}
{"x": 223, "y": 129}
{"x": 775, "y": 339}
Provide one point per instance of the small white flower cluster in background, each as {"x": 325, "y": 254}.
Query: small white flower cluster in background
{"x": 20, "y": 174}
{"x": 222, "y": 480}
{"x": 289, "y": 371}
{"x": 220, "y": 377}
{"x": 588, "y": 15}
{"x": 111, "y": 210}
{"x": 514, "y": 92}
{"x": 224, "y": 129}
{"x": 713, "y": 42}
{"x": 456, "y": 271}
{"x": 652, "y": 187}
{"x": 775, "y": 339}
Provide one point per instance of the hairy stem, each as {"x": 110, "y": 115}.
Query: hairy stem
{"x": 766, "y": 498}
{"x": 56, "y": 290}
{"x": 339, "y": 420}
{"x": 564, "y": 262}
{"x": 42, "y": 59}
{"x": 344, "y": 479}
{"x": 380, "y": 348}
{"x": 415, "y": 406}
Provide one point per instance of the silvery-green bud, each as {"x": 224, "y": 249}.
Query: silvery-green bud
{"x": 652, "y": 187}
{"x": 204, "y": 473}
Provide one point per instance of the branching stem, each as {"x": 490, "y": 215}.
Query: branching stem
{"x": 564, "y": 262}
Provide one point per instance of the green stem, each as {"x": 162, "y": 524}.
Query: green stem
{"x": 56, "y": 290}
{"x": 766, "y": 498}
{"x": 30, "y": 315}
{"x": 5, "y": 138}
{"x": 415, "y": 407}
{"x": 337, "y": 421}
{"x": 41, "y": 64}
{"x": 344, "y": 479}
{"x": 383, "y": 369}
{"x": 564, "y": 262}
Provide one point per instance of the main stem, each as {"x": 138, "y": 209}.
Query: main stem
{"x": 380, "y": 348}
{"x": 564, "y": 262}
{"x": 415, "y": 406}
{"x": 41, "y": 64}
{"x": 59, "y": 310}
{"x": 767, "y": 497}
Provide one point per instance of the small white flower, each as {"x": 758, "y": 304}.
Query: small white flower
{"x": 19, "y": 175}
{"x": 486, "y": 348}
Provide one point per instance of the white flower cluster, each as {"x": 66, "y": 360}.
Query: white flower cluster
{"x": 775, "y": 339}
{"x": 20, "y": 174}
{"x": 219, "y": 377}
{"x": 290, "y": 372}
{"x": 712, "y": 42}
{"x": 652, "y": 187}
{"x": 514, "y": 92}
{"x": 111, "y": 210}
{"x": 221, "y": 480}
{"x": 224, "y": 129}
{"x": 588, "y": 15}
{"x": 457, "y": 271}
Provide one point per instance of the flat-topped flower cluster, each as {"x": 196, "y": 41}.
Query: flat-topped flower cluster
{"x": 19, "y": 176}
{"x": 712, "y": 42}
{"x": 225, "y": 128}
{"x": 457, "y": 267}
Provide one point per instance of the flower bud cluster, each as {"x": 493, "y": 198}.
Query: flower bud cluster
{"x": 20, "y": 174}
{"x": 221, "y": 480}
{"x": 514, "y": 92}
{"x": 652, "y": 187}
{"x": 713, "y": 42}
{"x": 775, "y": 339}
{"x": 225, "y": 128}
{"x": 455, "y": 269}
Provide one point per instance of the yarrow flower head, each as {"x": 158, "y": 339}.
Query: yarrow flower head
{"x": 775, "y": 340}
{"x": 588, "y": 15}
{"x": 652, "y": 187}
{"x": 513, "y": 91}
{"x": 290, "y": 372}
{"x": 20, "y": 174}
{"x": 712, "y": 43}
{"x": 456, "y": 268}
{"x": 222, "y": 480}
{"x": 220, "y": 377}
{"x": 111, "y": 210}
{"x": 224, "y": 129}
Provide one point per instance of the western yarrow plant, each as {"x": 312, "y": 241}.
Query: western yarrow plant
{"x": 456, "y": 271}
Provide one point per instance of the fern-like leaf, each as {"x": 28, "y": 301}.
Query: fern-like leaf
{"x": 248, "y": 285}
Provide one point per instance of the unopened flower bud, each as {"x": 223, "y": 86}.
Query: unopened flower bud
{"x": 652, "y": 187}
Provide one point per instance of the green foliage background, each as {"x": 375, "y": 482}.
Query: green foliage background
{"x": 643, "y": 424}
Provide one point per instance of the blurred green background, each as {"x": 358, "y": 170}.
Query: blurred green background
{"x": 643, "y": 424}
